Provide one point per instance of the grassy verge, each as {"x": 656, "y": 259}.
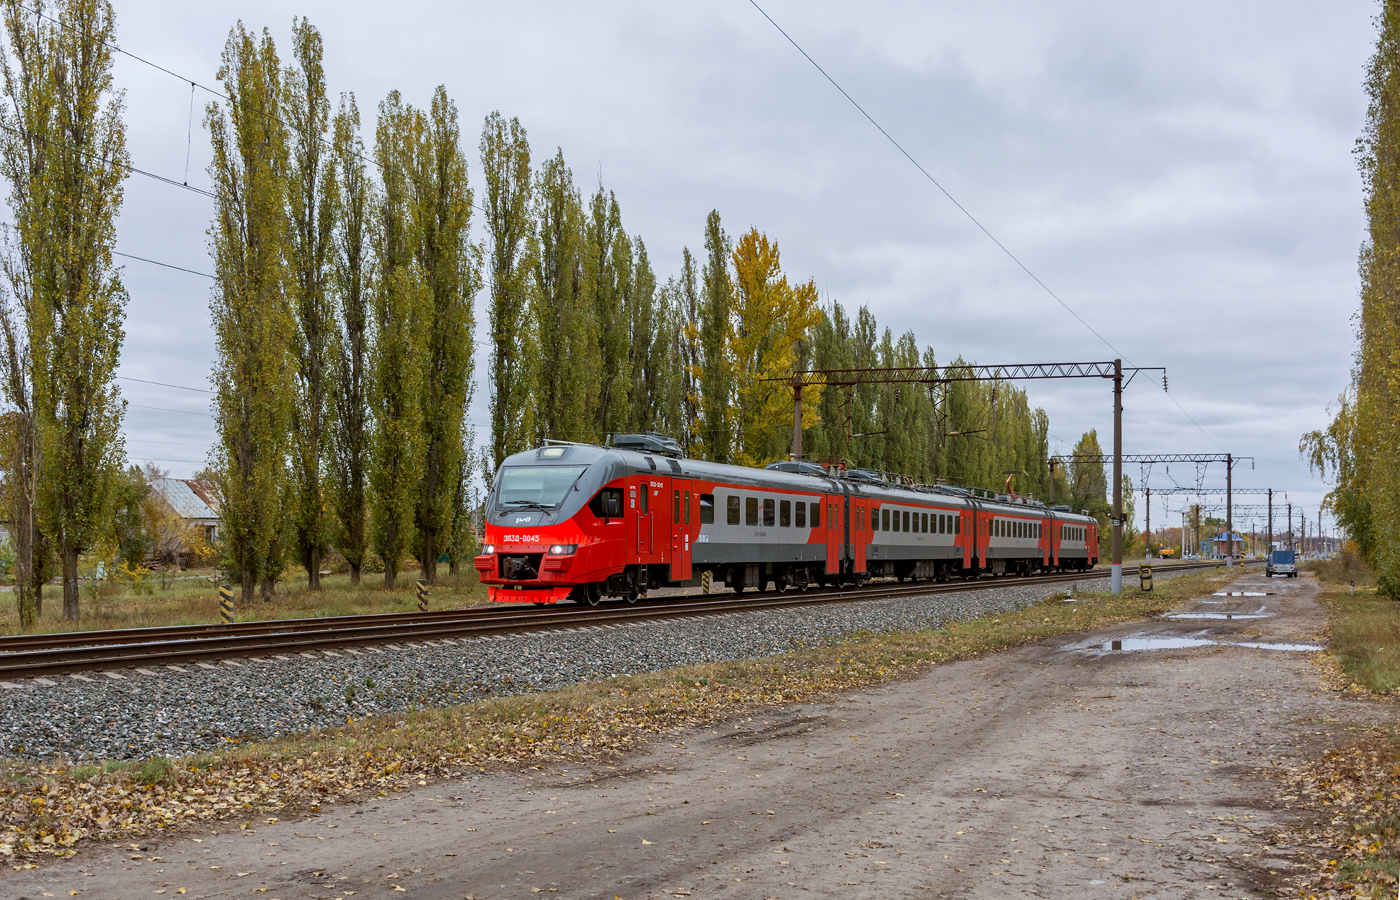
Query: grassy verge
{"x": 50, "y": 809}
{"x": 194, "y": 600}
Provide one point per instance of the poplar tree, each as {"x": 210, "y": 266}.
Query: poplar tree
{"x": 1360, "y": 449}
{"x": 770, "y": 321}
{"x": 648, "y": 358}
{"x": 689, "y": 359}
{"x": 567, "y": 388}
{"x": 401, "y": 308}
{"x": 64, "y": 152}
{"x": 450, "y": 266}
{"x": 715, "y": 385}
{"x": 606, "y": 276}
{"x": 253, "y": 326}
{"x": 311, "y": 211}
{"x": 505, "y": 163}
{"x": 352, "y": 286}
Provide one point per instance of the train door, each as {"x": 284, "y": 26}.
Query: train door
{"x": 646, "y": 520}
{"x": 681, "y": 513}
{"x": 833, "y": 534}
{"x": 860, "y": 531}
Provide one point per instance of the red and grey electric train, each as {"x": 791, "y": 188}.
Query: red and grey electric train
{"x": 586, "y": 522}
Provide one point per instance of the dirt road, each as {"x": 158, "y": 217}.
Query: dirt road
{"x": 1067, "y": 769}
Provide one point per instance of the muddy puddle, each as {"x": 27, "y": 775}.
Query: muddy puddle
{"x": 1146, "y": 642}
{"x": 1257, "y": 614}
{"x": 1242, "y": 594}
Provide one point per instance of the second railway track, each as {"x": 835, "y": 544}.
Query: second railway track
{"x": 26, "y": 656}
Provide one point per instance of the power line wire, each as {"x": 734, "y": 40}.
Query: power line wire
{"x": 164, "y": 384}
{"x": 971, "y": 218}
{"x": 156, "y": 262}
{"x": 164, "y": 409}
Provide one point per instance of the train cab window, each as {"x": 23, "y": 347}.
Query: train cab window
{"x": 675, "y": 507}
{"x": 687, "y": 507}
{"x": 816, "y": 515}
{"x": 731, "y": 514}
{"x": 767, "y": 513}
{"x": 607, "y": 503}
{"x": 785, "y": 513}
{"x": 750, "y": 510}
{"x": 801, "y": 515}
{"x": 646, "y": 493}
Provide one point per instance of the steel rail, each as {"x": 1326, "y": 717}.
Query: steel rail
{"x": 204, "y": 644}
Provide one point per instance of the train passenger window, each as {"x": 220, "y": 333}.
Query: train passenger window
{"x": 941, "y": 524}
{"x": 906, "y": 520}
{"x": 816, "y": 515}
{"x": 675, "y": 507}
{"x": 884, "y": 520}
{"x": 731, "y": 513}
{"x": 707, "y": 509}
{"x": 767, "y": 513}
{"x": 957, "y": 524}
{"x": 801, "y": 515}
{"x": 687, "y": 507}
{"x": 874, "y": 520}
{"x": 895, "y": 517}
{"x": 750, "y": 510}
{"x": 785, "y": 513}
{"x": 923, "y": 522}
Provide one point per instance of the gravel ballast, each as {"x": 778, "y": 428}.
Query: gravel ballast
{"x": 175, "y": 711}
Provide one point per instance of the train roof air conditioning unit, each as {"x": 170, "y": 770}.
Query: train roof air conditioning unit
{"x": 651, "y": 442}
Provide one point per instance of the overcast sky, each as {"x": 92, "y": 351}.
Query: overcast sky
{"x": 1180, "y": 175}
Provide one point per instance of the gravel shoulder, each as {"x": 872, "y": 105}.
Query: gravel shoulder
{"x": 1064, "y": 769}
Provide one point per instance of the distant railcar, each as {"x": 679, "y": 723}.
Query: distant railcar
{"x": 583, "y": 522}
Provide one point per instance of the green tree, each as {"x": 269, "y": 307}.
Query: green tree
{"x": 253, "y": 325}
{"x": 688, "y": 304}
{"x": 451, "y": 268}
{"x": 402, "y": 310}
{"x": 505, "y": 164}
{"x": 352, "y": 287}
{"x": 64, "y": 152}
{"x": 567, "y": 387}
{"x": 607, "y": 270}
{"x": 771, "y": 319}
{"x": 1360, "y": 449}
{"x": 312, "y": 202}
{"x": 716, "y": 435}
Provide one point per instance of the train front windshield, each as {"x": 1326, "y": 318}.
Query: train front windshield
{"x": 543, "y": 486}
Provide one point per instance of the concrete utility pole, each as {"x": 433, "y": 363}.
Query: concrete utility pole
{"x": 1290, "y": 526}
{"x": 1116, "y": 579}
{"x": 1229, "y": 517}
{"x": 1270, "y": 548}
{"x": 797, "y": 420}
{"x": 1147, "y": 524}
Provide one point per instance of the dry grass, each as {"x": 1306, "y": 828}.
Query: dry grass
{"x": 48, "y": 808}
{"x": 1346, "y": 568}
{"x": 1365, "y": 636}
{"x": 193, "y": 599}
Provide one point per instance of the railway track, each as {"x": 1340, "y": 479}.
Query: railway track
{"x": 26, "y": 656}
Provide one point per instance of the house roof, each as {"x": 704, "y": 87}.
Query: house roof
{"x": 189, "y": 497}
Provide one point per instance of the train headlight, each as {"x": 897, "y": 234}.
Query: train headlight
{"x": 488, "y": 549}
{"x": 562, "y": 549}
